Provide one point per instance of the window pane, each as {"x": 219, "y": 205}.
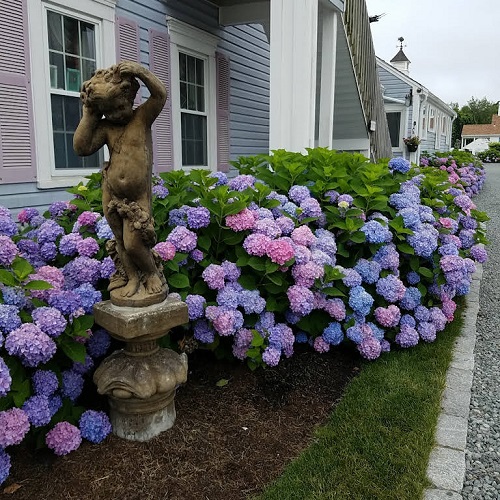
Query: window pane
{"x": 183, "y": 91}
{"x": 200, "y": 78}
{"x": 74, "y": 161}
{"x": 54, "y": 24}
{"x": 88, "y": 40}
{"x": 59, "y": 150}
{"x": 71, "y": 113}
{"x": 191, "y": 69}
{"x": 191, "y": 104}
{"x": 182, "y": 67}
{"x": 56, "y": 62}
{"x": 394, "y": 121}
{"x": 200, "y": 102}
{"x": 57, "y": 112}
{"x": 194, "y": 140}
{"x": 88, "y": 69}
{"x": 73, "y": 79}
{"x": 92, "y": 161}
{"x": 71, "y": 36}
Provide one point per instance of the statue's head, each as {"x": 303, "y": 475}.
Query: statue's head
{"x": 111, "y": 94}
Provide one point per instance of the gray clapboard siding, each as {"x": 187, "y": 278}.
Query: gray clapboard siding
{"x": 393, "y": 86}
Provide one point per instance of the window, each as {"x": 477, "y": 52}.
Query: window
{"x": 423, "y": 128}
{"x": 72, "y": 60}
{"x": 70, "y": 39}
{"x": 193, "y": 110}
{"x": 394, "y": 123}
{"x": 193, "y": 77}
{"x": 432, "y": 120}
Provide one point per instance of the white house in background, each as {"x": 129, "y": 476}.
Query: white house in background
{"x": 475, "y": 138}
{"x": 413, "y": 110}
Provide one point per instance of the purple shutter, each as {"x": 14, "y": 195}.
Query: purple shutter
{"x": 159, "y": 63}
{"x": 17, "y": 155}
{"x": 223, "y": 88}
{"x": 127, "y": 45}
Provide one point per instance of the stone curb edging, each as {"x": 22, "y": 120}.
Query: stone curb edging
{"x": 446, "y": 468}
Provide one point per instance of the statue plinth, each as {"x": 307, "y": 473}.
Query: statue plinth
{"x": 141, "y": 379}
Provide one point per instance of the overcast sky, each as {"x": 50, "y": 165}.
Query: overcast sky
{"x": 453, "y": 45}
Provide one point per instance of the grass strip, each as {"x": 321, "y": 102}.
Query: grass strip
{"x": 377, "y": 442}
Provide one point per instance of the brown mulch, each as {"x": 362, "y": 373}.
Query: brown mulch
{"x": 227, "y": 442}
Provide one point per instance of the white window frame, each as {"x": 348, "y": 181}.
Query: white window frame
{"x": 195, "y": 42}
{"x": 425, "y": 120}
{"x": 101, "y": 13}
{"x": 403, "y": 124}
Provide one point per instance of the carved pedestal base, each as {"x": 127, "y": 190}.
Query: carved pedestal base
{"x": 141, "y": 379}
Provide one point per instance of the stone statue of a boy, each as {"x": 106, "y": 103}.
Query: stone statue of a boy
{"x": 108, "y": 118}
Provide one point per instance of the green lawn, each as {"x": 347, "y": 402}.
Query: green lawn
{"x": 377, "y": 442}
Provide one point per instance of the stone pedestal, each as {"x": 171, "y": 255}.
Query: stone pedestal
{"x": 140, "y": 380}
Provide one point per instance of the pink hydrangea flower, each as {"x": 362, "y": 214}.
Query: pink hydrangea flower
{"x": 303, "y": 235}
{"x": 241, "y": 221}
{"x": 165, "y": 250}
{"x": 280, "y": 251}
{"x": 388, "y": 316}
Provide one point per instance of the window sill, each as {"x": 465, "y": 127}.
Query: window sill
{"x": 60, "y": 182}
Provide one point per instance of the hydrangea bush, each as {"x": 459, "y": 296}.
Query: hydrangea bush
{"x": 317, "y": 249}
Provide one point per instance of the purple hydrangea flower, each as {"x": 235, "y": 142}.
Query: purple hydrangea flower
{"x": 298, "y": 194}
{"x": 30, "y": 344}
{"x": 72, "y": 384}
{"x": 58, "y": 208}
{"x": 231, "y": 271}
{"x": 242, "y": 182}
{"x": 85, "y": 367}
{"x": 63, "y": 438}
{"x": 14, "y": 425}
{"x": 9, "y": 318}
{"x": 49, "y": 231}
{"x": 82, "y": 270}
{"x": 424, "y": 240}
{"x": 49, "y": 320}
{"x": 98, "y": 343}
{"x": 45, "y": 382}
{"x": 370, "y": 348}
{"x": 198, "y": 217}
{"x": 26, "y": 214}
{"x": 68, "y": 244}
{"x": 301, "y": 299}
{"x": 203, "y": 332}
{"x": 351, "y": 278}
{"x": 8, "y": 227}
{"x": 407, "y": 319}
{"x": 221, "y": 178}
{"x": 87, "y": 247}
{"x": 285, "y": 224}
{"x": 271, "y": 356}
{"x": 196, "y": 306}
{"x": 160, "y": 191}
{"x": 310, "y": 208}
{"x": 407, "y": 337}
{"x": 388, "y": 257}
{"x": 321, "y": 345}
{"x": 478, "y": 253}
{"x": 38, "y": 411}
{"x": 48, "y": 251}
{"x": 67, "y": 301}
{"x": 8, "y": 251}
{"x": 251, "y": 301}
{"x": 4, "y": 466}
{"x": 265, "y": 322}
{"x": 427, "y": 331}
{"x": 5, "y": 379}
{"x": 183, "y": 239}
{"x": 411, "y": 298}
{"x": 178, "y": 217}
{"x": 391, "y": 288}
{"x": 268, "y": 227}
{"x": 213, "y": 276}
{"x": 94, "y": 426}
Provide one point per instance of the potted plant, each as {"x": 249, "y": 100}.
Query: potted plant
{"x": 412, "y": 143}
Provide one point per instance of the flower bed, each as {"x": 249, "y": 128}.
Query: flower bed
{"x": 320, "y": 248}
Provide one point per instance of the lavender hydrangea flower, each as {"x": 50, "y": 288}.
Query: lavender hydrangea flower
{"x": 67, "y": 301}
{"x": 198, "y": 217}
{"x": 9, "y": 318}
{"x": 183, "y": 239}
{"x": 26, "y": 214}
{"x": 388, "y": 257}
{"x": 478, "y": 253}
{"x": 8, "y": 251}
{"x": 49, "y": 231}
{"x": 82, "y": 270}
{"x": 8, "y": 227}
{"x": 98, "y": 343}
{"x": 72, "y": 384}
{"x": 271, "y": 356}
{"x": 38, "y": 411}
{"x": 351, "y": 278}
{"x": 251, "y": 301}
{"x": 298, "y": 194}
{"x": 214, "y": 276}
{"x": 196, "y": 306}
{"x": 370, "y": 348}
{"x": 5, "y": 379}
{"x": 424, "y": 241}
{"x": 103, "y": 230}
{"x": 48, "y": 251}
{"x": 68, "y": 244}
{"x": 391, "y": 288}
{"x": 178, "y": 217}
{"x": 242, "y": 182}
{"x": 160, "y": 191}
{"x": 63, "y": 438}
{"x": 267, "y": 227}
{"x": 94, "y": 426}
{"x": 45, "y": 382}
{"x": 411, "y": 298}
{"x": 301, "y": 299}
{"x": 49, "y": 320}
{"x": 14, "y": 425}
{"x": 30, "y": 344}
{"x": 203, "y": 332}
{"x": 407, "y": 337}
{"x": 221, "y": 178}
{"x": 265, "y": 322}
{"x": 427, "y": 331}
{"x": 310, "y": 208}
{"x": 87, "y": 247}
{"x": 4, "y": 466}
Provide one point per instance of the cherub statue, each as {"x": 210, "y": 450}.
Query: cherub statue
{"x": 108, "y": 118}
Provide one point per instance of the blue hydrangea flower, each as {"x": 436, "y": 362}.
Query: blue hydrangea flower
{"x": 45, "y": 382}
{"x": 98, "y": 343}
{"x": 203, "y": 331}
{"x": 9, "y": 318}
{"x": 369, "y": 270}
{"x": 198, "y": 217}
{"x": 5, "y": 379}
{"x": 333, "y": 333}
{"x": 399, "y": 164}
{"x": 376, "y": 233}
{"x": 411, "y": 299}
{"x": 298, "y": 194}
{"x": 89, "y": 296}
{"x": 72, "y": 384}
{"x": 4, "y": 465}
{"x": 360, "y": 300}
{"x": 196, "y": 305}
{"x": 38, "y": 411}
{"x": 94, "y": 426}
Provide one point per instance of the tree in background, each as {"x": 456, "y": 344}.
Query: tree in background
{"x": 476, "y": 111}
